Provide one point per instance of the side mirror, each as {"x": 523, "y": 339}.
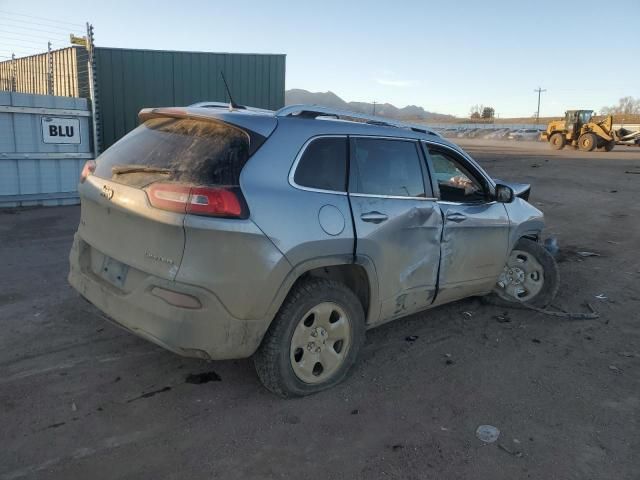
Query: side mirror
{"x": 504, "y": 194}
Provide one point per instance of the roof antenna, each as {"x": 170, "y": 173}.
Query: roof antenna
{"x": 232, "y": 104}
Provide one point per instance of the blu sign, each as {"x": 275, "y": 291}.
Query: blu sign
{"x": 60, "y": 130}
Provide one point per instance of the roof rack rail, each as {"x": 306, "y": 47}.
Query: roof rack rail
{"x": 314, "y": 111}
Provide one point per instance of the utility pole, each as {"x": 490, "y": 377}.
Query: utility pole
{"x": 539, "y": 90}
{"x": 93, "y": 94}
{"x": 374, "y": 107}
{"x": 49, "y": 70}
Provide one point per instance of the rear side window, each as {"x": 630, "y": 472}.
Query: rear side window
{"x": 323, "y": 165}
{"x": 177, "y": 149}
{"x": 386, "y": 167}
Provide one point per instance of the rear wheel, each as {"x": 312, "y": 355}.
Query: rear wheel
{"x": 557, "y": 141}
{"x": 530, "y": 276}
{"x": 314, "y": 340}
{"x": 587, "y": 142}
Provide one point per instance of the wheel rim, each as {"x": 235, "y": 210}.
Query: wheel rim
{"x": 320, "y": 343}
{"x": 586, "y": 143}
{"x": 522, "y": 277}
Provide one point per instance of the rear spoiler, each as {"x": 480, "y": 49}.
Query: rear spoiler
{"x": 172, "y": 112}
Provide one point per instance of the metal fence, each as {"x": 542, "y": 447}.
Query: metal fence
{"x": 61, "y": 72}
{"x": 44, "y": 143}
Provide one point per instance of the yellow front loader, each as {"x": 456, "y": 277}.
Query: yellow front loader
{"x": 579, "y": 130}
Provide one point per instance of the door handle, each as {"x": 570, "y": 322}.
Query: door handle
{"x": 456, "y": 217}
{"x": 373, "y": 217}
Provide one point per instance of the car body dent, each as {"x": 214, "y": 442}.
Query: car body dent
{"x": 473, "y": 251}
{"x": 524, "y": 220}
{"x": 405, "y": 250}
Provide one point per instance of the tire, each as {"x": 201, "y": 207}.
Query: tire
{"x": 609, "y": 146}
{"x": 557, "y": 141}
{"x": 587, "y": 142}
{"x": 530, "y": 267}
{"x": 287, "y": 360}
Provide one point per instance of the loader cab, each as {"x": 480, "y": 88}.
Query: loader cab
{"x": 575, "y": 119}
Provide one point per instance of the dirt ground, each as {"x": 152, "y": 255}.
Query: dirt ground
{"x": 80, "y": 398}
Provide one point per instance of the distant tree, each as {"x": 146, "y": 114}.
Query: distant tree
{"x": 488, "y": 112}
{"x": 626, "y": 105}
{"x": 476, "y": 111}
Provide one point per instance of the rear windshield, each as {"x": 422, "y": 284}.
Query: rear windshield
{"x": 177, "y": 149}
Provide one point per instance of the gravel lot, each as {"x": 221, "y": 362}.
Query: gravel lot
{"x": 80, "y": 398}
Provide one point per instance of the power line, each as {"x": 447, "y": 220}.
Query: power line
{"x": 23, "y": 53}
{"x": 31, "y": 35}
{"x": 23, "y": 40}
{"x": 30, "y": 29}
{"x": 14, "y": 47}
{"x": 29, "y": 53}
{"x": 40, "y": 18}
{"x": 58, "y": 27}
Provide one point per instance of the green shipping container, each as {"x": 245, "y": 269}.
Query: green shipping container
{"x": 129, "y": 80}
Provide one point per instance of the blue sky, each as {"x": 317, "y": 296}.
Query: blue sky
{"x": 444, "y": 57}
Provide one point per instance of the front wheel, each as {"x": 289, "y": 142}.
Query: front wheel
{"x": 530, "y": 276}
{"x": 557, "y": 141}
{"x": 587, "y": 142}
{"x": 314, "y": 340}
{"x": 609, "y": 146}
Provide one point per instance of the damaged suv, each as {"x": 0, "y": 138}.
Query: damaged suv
{"x": 223, "y": 233}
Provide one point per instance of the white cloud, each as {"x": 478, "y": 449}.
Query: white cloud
{"x": 396, "y": 83}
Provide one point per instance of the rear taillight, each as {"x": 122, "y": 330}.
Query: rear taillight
{"x": 214, "y": 201}
{"x": 88, "y": 169}
{"x": 211, "y": 201}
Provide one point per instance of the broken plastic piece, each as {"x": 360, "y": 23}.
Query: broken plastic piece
{"x": 487, "y": 433}
{"x": 551, "y": 245}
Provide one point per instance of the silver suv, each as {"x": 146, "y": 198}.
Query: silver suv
{"x": 223, "y": 233}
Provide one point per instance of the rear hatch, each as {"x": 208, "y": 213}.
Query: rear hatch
{"x": 137, "y": 194}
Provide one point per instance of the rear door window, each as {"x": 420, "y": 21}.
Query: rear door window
{"x": 386, "y": 167}
{"x": 323, "y": 165}
{"x": 177, "y": 149}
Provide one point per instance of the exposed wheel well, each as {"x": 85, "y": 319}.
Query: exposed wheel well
{"x": 353, "y": 276}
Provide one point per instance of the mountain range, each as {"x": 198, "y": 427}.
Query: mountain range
{"x": 330, "y": 99}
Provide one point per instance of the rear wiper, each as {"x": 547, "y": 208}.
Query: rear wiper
{"x": 124, "y": 169}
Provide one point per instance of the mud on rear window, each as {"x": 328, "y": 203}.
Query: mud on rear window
{"x": 205, "y": 152}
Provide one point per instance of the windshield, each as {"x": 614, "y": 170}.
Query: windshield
{"x": 585, "y": 117}
{"x": 177, "y": 149}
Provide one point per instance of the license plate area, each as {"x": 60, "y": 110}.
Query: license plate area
{"x": 114, "y": 272}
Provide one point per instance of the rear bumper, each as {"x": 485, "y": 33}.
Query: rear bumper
{"x": 209, "y": 332}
